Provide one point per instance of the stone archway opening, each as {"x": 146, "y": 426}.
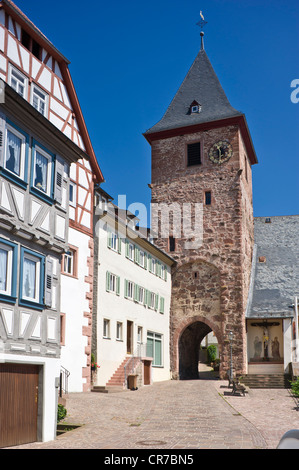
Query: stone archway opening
{"x": 190, "y": 353}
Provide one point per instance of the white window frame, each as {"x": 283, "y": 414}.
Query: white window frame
{"x": 73, "y": 202}
{"x": 114, "y": 241}
{"x": 23, "y": 151}
{"x": 106, "y": 328}
{"x": 119, "y": 331}
{"x": 49, "y": 170}
{"x": 141, "y": 258}
{"x": 36, "y": 260}
{"x": 20, "y": 79}
{"x": 152, "y": 300}
{"x": 156, "y": 337}
{"x": 153, "y": 265}
{"x": 68, "y": 260}
{"x": 130, "y": 290}
{"x": 139, "y": 334}
{"x": 131, "y": 249}
{"x": 141, "y": 293}
{"x": 112, "y": 282}
{"x": 9, "y": 269}
{"x": 35, "y": 91}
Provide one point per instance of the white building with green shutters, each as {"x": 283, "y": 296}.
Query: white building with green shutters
{"x": 132, "y": 290}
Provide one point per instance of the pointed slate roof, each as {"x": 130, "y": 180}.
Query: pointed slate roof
{"x": 202, "y": 85}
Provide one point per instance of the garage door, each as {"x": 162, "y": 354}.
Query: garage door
{"x": 18, "y": 404}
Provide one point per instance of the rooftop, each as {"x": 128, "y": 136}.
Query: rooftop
{"x": 275, "y": 268}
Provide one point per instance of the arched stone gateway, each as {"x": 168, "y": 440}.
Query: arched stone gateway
{"x": 189, "y": 343}
{"x": 199, "y": 306}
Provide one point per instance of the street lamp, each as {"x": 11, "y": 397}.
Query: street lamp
{"x": 231, "y": 337}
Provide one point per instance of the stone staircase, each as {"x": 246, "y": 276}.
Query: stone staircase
{"x": 266, "y": 380}
{"x": 116, "y": 382}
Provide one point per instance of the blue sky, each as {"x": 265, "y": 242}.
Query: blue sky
{"x": 129, "y": 58}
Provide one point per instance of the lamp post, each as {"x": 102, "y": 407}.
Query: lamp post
{"x": 231, "y": 337}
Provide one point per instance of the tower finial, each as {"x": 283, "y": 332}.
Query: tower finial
{"x": 202, "y": 24}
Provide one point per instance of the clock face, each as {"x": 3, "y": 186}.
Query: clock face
{"x": 220, "y": 152}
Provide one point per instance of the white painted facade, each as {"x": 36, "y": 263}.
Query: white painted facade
{"x": 116, "y": 308}
{"x": 73, "y": 305}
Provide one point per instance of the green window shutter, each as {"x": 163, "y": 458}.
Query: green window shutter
{"x": 136, "y": 290}
{"x": 159, "y": 269}
{"x": 126, "y": 288}
{"x": 165, "y": 272}
{"x": 161, "y": 305}
{"x": 145, "y": 261}
{"x": 149, "y": 263}
{"x": 109, "y": 239}
{"x": 117, "y": 285}
{"x": 156, "y": 301}
{"x": 127, "y": 248}
{"x": 107, "y": 281}
{"x": 136, "y": 254}
{"x": 148, "y": 298}
{"x": 119, "y": 245}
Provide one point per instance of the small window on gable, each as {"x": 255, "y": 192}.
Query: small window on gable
{"x": 194, "y": 154}
{"x": 195, "y": 107}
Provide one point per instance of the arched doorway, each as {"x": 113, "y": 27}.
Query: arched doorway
{"x": 189, "y": 349}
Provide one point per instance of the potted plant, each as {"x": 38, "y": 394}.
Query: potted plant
{"x": 94, "y": 365}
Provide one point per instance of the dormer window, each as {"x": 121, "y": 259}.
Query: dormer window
{"x": 195, "y": 107}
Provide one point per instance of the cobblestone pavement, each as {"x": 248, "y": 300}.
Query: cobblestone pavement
{"x": 198, "y": 414}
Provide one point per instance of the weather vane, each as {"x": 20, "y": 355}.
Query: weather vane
{"x": 202, "y": 21}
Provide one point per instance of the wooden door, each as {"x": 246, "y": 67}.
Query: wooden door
{"x": 129, "y": 337}
{"x": 147, "y": 372}
{"x": 18, "y": 404}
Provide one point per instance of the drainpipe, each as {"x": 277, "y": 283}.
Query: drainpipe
{"x": 296, "y": 331}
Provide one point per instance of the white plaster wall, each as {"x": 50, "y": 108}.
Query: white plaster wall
{"x": 73, "y": 305}
{"x": 111, "y": 352}
{"x": 51, "y": 370}
{"x": 287, "y": 333}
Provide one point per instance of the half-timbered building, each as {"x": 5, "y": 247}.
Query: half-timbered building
{"x": 47, "y": 172}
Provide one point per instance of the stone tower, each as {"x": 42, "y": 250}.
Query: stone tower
{"x": 202, "y": 155}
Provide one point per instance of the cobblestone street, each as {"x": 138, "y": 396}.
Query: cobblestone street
{"x": 198, "y": 414}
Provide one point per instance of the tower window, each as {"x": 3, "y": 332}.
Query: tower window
{"x": 194, "y": 154}
{"x": 208, "y": 198}
{"x": 171, "y": 244}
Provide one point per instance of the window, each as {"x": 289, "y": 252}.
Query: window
{"x": 72, "y": 194}
{"x": 171, "y": 244}
{"x": 106, "y": 328}
{"x": 15, "y": 152}
{"x": 139, "y": 334}
{"x": 153, "y": 266}
{"x": 42, "y": 171}
{"x": 129, "y": 289}
{"x": 154, "y": 348}
{"x": 18, "y": 81}
{"x": 141, "y": 258}
{"x": 39, "y": 99}
{"x": 31, "y": 278}
{"x": 119, "y": 331}
{"x": 69, "y": 262}
{"x": 42, "y": 175}
{"x": 141, "y": 297}
{"x": 193, "y": 154}
{"x": 208, "y": 198}
{"x": 8, "y": 271}
{"x": 130, "y": 250}
{"x": 114, "y": 242}
{"x": 31, "y": 44}
{"x": 152, "y": 300}
{"x": 112, "y": 283}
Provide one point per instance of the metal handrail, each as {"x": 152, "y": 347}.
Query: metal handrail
{"x": 64, "y": 383}
{"x": 133, "y": 362}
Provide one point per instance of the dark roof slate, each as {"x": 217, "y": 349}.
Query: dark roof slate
{"x": 275, "y": 282}
{"x": 201, "y": 84}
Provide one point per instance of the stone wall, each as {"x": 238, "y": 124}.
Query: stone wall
{"x": 217, "y": 296}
